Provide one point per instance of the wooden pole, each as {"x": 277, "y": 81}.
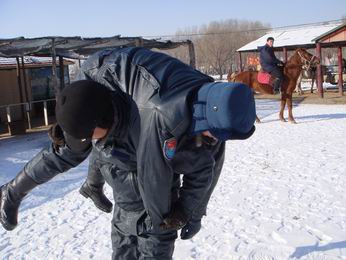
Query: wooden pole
{"x": 285, "y": 54}
{"x": 25, "y": 81}
{"x": 19, "y": 82}
{"x": 192, "y": 54}
{"x": 54, "y": 74}
{"x": 340, "y": 68}
{"x": 240, "y": 62}
{"x": 62, "y": 73}
{"x": 319, "y": 78}
{"x": 139, "y": 42}
{"x": 27, "y": 106}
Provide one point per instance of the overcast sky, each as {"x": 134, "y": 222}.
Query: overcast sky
{"x": 35, "y": 18}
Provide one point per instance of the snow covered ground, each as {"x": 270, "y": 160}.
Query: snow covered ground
{"x": 281, "y": 195}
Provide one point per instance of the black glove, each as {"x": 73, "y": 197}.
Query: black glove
{"x": 176, "y": 219}
{"x": 56, "y": 135}
{"x": 190, "y": 229}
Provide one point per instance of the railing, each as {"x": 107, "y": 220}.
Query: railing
{"x": 27, "y": 106}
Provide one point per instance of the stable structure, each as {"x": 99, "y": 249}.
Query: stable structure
{"x": 56, "y": 47}
{"x": 334, "y": 38}
{"x": 36, "y": 78}
{"x": 316, "y": 36}
{"x": 27, "y": 91}
{"x": 80, "y": 48}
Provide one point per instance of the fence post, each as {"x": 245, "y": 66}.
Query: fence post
{"x": 240, "y": 62}
{"x": 27, "y": 108}
{"x": 45, "y": 113}
{"x": 8, "y": 112}
{"x": 319, "y": 80}
{"x": 192, "y": 54}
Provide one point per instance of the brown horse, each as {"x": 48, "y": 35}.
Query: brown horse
{"x": 300, "y": 60}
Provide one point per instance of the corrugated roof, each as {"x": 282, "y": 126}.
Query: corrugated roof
{"x": 292, "y": 37}
{"x": 330, "y": 32}
{"x": 75, "y": 47}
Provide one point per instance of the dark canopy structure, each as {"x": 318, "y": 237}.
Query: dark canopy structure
{"x": 78, "y": 48}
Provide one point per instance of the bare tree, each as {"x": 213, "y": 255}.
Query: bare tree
{"x": 216, "y": 43}
{"x": 216, "y": 48}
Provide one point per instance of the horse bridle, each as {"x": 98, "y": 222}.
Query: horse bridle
{"x": 307, "y": 63}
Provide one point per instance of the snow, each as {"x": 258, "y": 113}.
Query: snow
{"x": 281, "y": 195}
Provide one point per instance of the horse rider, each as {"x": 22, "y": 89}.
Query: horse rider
{"x": 270, "y": 63}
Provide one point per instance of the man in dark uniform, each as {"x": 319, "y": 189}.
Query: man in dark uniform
{"x": 145, "y": 118}
{"x": 269, "y": 63}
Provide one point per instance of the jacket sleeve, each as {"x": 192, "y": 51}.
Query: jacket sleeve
{"x": 50, "y": 162}
{"x": 265, "y": 56}
{"x": 268, "y": 56}
{"x": 155, "y": 174}
{"x": 196, "y": 164}
{"x": 219, "y": 156}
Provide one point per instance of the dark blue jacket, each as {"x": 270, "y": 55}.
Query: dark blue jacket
{"x": 268, "y": 60}
{"x": 156, "y": 90}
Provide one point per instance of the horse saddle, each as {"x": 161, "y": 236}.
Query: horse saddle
{"x": 264, "y": 78}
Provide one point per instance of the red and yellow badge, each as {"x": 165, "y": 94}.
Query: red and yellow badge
{"x": 169, "y": 148}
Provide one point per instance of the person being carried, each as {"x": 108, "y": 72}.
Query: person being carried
{"x": 144, "y": 118}
{"x": 270, "y": 63}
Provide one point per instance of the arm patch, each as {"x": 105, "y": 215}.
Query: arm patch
{"x": 169, "y": 148}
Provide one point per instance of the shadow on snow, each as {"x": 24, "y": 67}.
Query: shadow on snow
{"x": 305, "y": 250}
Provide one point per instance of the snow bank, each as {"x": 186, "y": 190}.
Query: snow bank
{"x": 281, "y": 195}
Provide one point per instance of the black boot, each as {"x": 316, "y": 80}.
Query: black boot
{"x": 276, "y": 86}
{"x": 11, "y": 195}
{"x": 95, "y": 193}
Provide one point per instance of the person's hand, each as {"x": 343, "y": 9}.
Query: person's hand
{"x": 56, "y": 135}
{"x": 176, "y": 219}
{"x": 190, "y": 229}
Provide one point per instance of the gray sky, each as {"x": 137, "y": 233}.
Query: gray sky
{"x": 34, "y": 18}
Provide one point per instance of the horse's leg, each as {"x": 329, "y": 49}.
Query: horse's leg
{"x": 282, "y": 108}
{"x": 289, "y": 105}
{"x": 298, "y": 85}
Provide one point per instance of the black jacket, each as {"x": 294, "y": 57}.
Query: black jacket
{"x": 153, "y": 91}
{"x": 160, "y": 88}
{"x": 268, "y": 59}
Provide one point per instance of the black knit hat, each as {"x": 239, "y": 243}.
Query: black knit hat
{"x": 82, "y": 106}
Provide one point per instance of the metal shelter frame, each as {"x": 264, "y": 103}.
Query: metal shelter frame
{"x": 73, "y": 48}
{"x": 335, "y": 38}
{"x": 76, "y": 48}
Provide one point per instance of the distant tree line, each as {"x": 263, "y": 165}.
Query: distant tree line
{"x": 216, "y": 44}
